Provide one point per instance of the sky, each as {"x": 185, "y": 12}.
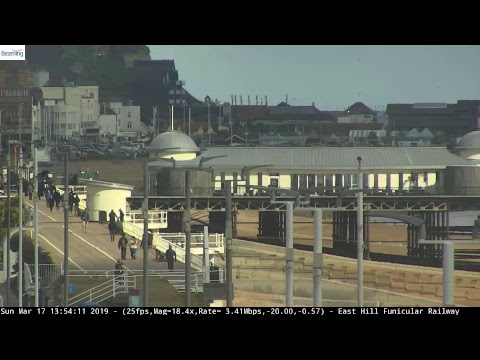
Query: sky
{"x": 333, "y": 77}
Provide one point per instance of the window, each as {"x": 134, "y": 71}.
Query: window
{"x": 129, "y": 115}
{"x": 63, "y": 126}
{"x": 129, "y": 125}
{"x": 69, "y": 126}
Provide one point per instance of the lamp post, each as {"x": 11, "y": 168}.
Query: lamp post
{"x": 65, "y": 229}
{"x": 187, "y": 219}
{"x": 35, "y": 221}
{"x": 448, "y": 262}
{"x": 360, "y": 244}
{"x": 228, "y": 242}
{"x": 448, "y": 250}
{"x": 8, "y": 219}
{"x": 145, "y": 233}
{"x": 34, "y": 145}
{"x": 289, "y": 251}
{"x": 20, "y": 221}
{"x": 359, "y": 191}
{"x": 20, "y": 227}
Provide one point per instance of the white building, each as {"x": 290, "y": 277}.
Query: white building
{"x": 128, "y": 119}
{"x": 358, "y": 113}
{"x": 71, "y": 111}
{"x": 39, "y": 79}
{"x": 108, "y": 122}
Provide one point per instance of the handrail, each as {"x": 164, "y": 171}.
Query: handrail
{"x": 153, "y": 217}
{"x": 163, "y": 244}
{"x": 110, "y": 288}
{"x": 215, "y": 240}
{"x": 118, "y": 284}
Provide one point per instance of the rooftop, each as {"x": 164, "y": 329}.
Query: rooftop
{"x": 327, "y": 159}
{"x": 175, "y": 141}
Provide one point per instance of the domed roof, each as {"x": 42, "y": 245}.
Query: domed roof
{"x": 175, "y": 141}
{"x": 469, "y": 141}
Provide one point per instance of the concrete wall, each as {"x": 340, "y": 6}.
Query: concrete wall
{"x": 334, "y": 293}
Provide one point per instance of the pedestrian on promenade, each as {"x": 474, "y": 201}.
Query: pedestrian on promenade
{"x": 133, "y": 248}
{"x": 85, "y": 220}
{"x": 122, "y": 245}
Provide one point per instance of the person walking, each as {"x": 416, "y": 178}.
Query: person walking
{"x": 85, "y": 220}
{"x": 111, "y": 229}
{"x": 30, "y": 191}
{"x": 133, "y": 248}
{"x": 112, "y": 217}
{"x": 171, "y": 256}
{"x": 122, "y": 245}
{"x": 119, "y": 268}
{"x": 57, "y": 198}
{"x": 121, "y": 216}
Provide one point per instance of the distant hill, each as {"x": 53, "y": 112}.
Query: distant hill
{"x": 103, "y": 65}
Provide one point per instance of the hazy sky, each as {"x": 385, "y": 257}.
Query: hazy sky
{"x": 333, "y": 77}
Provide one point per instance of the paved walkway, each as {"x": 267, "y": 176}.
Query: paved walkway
{"x": 87, "y": 251}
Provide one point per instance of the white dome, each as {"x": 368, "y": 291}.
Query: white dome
{"x": 471, "y": 141}
{"x": 174, "y": 142}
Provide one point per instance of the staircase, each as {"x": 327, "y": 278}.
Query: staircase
{"x": 115, "y": 286}
{"x": 162, "y": 244}
{"x": 104, "y": 291}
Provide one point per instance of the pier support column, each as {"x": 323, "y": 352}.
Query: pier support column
{"x": 216, "y": 222}
{"x": 175, "y": 222}
{"x": 271, "y": 226}
{"x": 436, "y": 224}
{"x": 343, "y": 234}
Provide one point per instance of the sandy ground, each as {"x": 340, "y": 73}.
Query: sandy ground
{"x": 384, "y": 238}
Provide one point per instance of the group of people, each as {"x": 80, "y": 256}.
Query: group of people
{"x": 115, "y": 224}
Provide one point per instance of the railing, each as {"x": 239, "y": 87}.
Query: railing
{"x": 163, "y": 244}
{"x": 241, "y": 190}
{"x": 214, "y": 240}
{"x": 106, "y": 290}
{"x": 78, "y": 189}
{"x": 47, "y": 272}
{"x": 120, "y": 284}
{"x": 155, "y": 217}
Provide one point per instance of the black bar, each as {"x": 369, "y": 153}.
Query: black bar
{"x": 263, "y": 312}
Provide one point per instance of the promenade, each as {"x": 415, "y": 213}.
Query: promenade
{"x": 92, "y": 250}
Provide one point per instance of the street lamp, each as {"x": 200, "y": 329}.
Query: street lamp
{"x": 289, "y": 253}
{"x": 187, "y": 220}
{"x": 8, "y": 219}
{"x": 35, "y": 144}
{"x": 359, "y": 228}
{"x": 146, "y": 186}
{"x": 448, "y": 262}
{"x": 360, "y": 243}
{"x": 20, "y": 222}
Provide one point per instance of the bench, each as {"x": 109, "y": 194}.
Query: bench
{"x": 159, "y": 255}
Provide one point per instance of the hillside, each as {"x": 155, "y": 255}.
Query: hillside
{"x": 104, "y": 65}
